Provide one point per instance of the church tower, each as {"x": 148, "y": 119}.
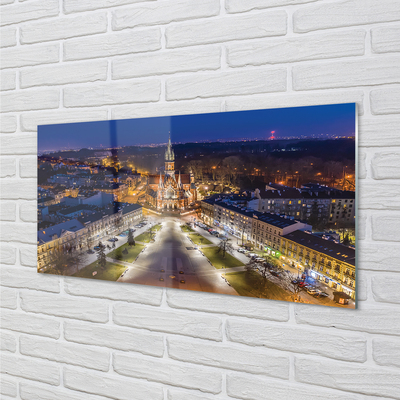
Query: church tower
{"x": 169, "y": 159}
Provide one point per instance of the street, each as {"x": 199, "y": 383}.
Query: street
{"x": 172, "y": 261}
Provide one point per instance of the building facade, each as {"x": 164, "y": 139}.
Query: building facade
{"x": 325, "y": 260}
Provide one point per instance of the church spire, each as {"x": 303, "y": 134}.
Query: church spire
{"x": 179, "y": 180}
{"x": 160, "y": 183}
{"x": 169, "y": 153}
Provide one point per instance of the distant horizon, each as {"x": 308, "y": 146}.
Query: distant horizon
{"x": 156, "y": 145}
{"x": 311, "y": 122}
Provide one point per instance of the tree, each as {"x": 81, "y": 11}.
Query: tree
{"x": 225, "y": 247}
{"x": 131, "y": 239}
{"x": 66, "y": 263}
{"x": 101, "y": 256}
{"x": 262, "y": 269}
{"x": 287, "y": 282}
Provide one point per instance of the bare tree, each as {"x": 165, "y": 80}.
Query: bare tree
{"x": 288, "y": 279}
{"x": 66, "y": 263}
{"x": 226, "y": 247}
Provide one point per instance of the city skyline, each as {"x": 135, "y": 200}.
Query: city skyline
{"x": 326, "y": 121}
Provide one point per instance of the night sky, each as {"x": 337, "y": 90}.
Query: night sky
{"x": 329, "y": 120}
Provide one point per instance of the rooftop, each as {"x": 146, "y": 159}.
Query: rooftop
{"x": 59, "y": 230}
{"x": 327, "y": 247}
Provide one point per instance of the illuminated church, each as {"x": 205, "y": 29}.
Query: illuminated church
{"x": 170, "y": 190}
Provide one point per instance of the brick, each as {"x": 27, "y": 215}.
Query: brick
{"x": 296, "y": 339}
{"x": 113, "y": 337}
{"x": 8, "y": 124}
{"x": 66, "y": 307}
{"x": 226, "y": 84}
{"x": 8, "y": 342}
{"x": 311, "y": 47}
{"x": 386, "y": 165}
{"x": 28, "y": 211}
{"x": 229, "y": 357}
{"x": 15, "y": 14}
{"x": 386, "y": 352}
{"x": 388, "y": 198}
{"x": 362, "y": 166}
{"x": 8, "y": 211}
{"x": 385, "y": 39}
{"x": 248, "y": 387}
{"x": 216, "y": 303}
{"x": 24, "y": 278}
{"x": 63, "y": 28}
{"x": 8, "y": 80}
{"x": 31, "y": 120}
{"x": 386, "y": 227}
{"x": 168, "y": 372}
{"x": 18, "y": 232}
{"x": 219, "y": 30}
{"x": 35, "y": 99}
{"x": 16, "y": 57}
{"x": 8, "y": 37}
{"x": 28, "y": 167}
{"x": 62, "y": 74}
{"x": 376, "y": 131}
{"x": 67, "y": 353}
{"x": 111, "y": 386}
{"x": 113, "y": 44}
{"x": 19, "y": 189}
{"x": 346, "y": 73}
{"x": 109, "y": 290}
{"x": 385, "y": 288}
{"x": 28, "y": 255}
{"x": 168, "y": 62}
{"x": 362, "y": 226}
{"x": 182, "y": 323}
{"x": 30, "y": 369}
{"x": 377, "y": 256}
{"x": 278, "y": 100}
{"x": 9, "y": 298}
{"x": 163, "y": 12}
{"x": 180, "y": 394}
{"x": 344, "y": 376}
{"x": 362, "y": 288}
{"x": 30, "y": 391}
{"x": 71, "y": 6}
{"x": 385, "y": 101}
{"x": 235, "y": 6}
{"x": 165, "y": 109}
{"x": 116, "y": 93}
{"x": 30, "y": 324}
{"x": 8, "y": 167}
{"x": 344, "y": 13}
{"x": 369, "y": 318}
{"x": 8, "y": 387}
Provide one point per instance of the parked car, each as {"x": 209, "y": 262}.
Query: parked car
{"x": 296, "y": 281}
{"x": 311, "y": 290}
{"x": 96, "y": 248}
{"x": 302, "y": 284}
{"x": 90, "y": 251}
{"x": 241, "y": 251}
{"x": 275, "y": 273}
{"x": 320, "y": 294}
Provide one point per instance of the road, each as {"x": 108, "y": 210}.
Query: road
{"x": 172, "y": 261}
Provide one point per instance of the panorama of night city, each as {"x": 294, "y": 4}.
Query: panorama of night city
{"x": 257, "y": 203}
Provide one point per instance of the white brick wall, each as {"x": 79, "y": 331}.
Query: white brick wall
{"x": 74, "y": 60}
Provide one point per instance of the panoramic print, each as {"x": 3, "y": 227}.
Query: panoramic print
{"x": 252, "y": 203}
